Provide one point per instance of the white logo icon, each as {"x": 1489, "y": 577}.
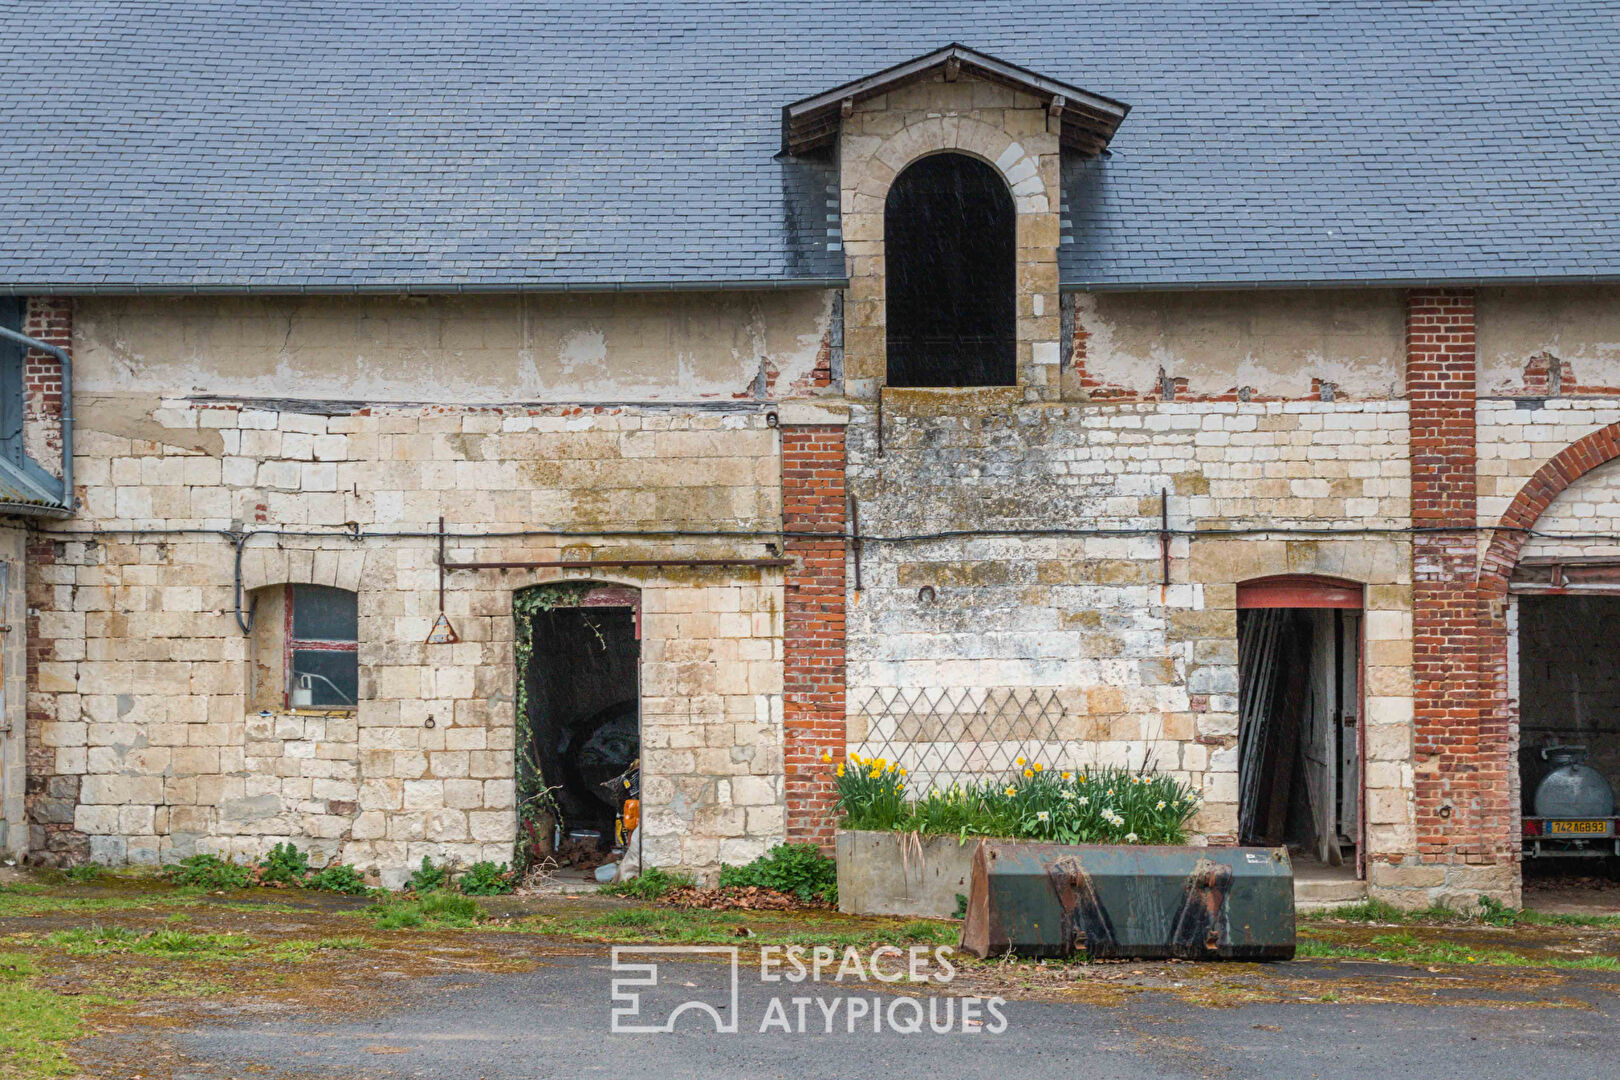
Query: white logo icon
{"x": 632, "y": 980}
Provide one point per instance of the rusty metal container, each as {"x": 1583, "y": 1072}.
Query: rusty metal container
{"x": 1226, "y": 903}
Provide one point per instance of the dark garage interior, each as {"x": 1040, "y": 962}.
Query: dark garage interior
{"x": 583, "y": 725}
{"x": 1569, "y": 697}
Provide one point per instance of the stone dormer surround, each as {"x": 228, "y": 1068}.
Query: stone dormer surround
{"x": 1008, "y": 129}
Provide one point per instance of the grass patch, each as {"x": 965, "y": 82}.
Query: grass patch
{"x": 437, "y": 909}
{"x": 1407, "y": 948}
{"x": 35, "y": 1024}
{"x": 296, "y": 951}
{"x": 1487, "y": 914}
{"x": 348, "y": 942}
{"x": 94, "y": 940}
{"x": 29, "y": 899}
{"x": 653, "y": 925}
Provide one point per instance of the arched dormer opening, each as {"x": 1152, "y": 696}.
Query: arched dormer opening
{"x": 950, "y": 250}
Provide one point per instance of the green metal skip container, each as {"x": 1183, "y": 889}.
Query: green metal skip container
{"x": 1108, "y": 900}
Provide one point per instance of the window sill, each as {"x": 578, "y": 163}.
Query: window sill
{"x": 345, "y": 710}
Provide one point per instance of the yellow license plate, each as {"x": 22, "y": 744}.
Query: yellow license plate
{"x": 1585, "y": 828}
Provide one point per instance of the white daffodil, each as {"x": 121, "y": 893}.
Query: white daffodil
{"x": 1130, "y": 838}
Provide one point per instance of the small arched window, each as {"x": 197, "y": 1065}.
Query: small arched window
{"x": 949, "y": 248}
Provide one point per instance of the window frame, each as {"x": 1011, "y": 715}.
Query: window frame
{"x": 291, "y": 644}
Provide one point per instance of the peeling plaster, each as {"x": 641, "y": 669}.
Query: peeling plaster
{"x": 450, "y": 349}
{"x": 1579, "y": 325}
{"x": 1275, "y": 342}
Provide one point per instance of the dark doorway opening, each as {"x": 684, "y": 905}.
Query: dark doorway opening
{"x": 581, "y": 729}
{"x": 1569, "y": 749}
{"x": 949, "y": 250}
{"x": 1299, "y": 745}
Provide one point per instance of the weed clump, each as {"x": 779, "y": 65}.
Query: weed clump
{"x": 487, "y": 879}
{"x": 650, "y": 884}
{"x": 208, "y": 872}
{"x": 436, "y": 909}
{"x": 800, "y": 870}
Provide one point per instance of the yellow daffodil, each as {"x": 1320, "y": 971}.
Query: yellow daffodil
{"x": 840, "y": 770}
{"x": 873, "y": 775}
{"x": 1020, "y": 761}
{"x": 1029, "y": 772}
{"x": 826, "y": 756}
{"x": 902, "y": 772}
{"x": 1037, "y": 766}
{"x": 1011, "y": 792}
{"x": 1066, "y": 776}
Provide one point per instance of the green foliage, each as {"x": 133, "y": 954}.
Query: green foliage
{"x": 487, "y": 879}
{"x": 208, "y": 872}
{"x": 651, "y": 884}
{"x": 284, "y": 865}
{"x": 82, "y": 875}
{"x": 436, "y": 909}
{"x": 428, "y": 879}
{"x": 799, "y": 869}
{"x": 340, "y": 879}
{"x": 1099, "y": 806}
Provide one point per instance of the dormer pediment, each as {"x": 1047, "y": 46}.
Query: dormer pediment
{"x": 1085, "y": 121}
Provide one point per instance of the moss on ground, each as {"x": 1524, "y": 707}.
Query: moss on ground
{"x": 129, "y": 952}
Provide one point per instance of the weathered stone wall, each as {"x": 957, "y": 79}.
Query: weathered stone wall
{"x": 145, "y": 744}
{"x": 1145, "y": 671}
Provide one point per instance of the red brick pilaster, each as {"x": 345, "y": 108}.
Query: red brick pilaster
{"x": 813, "y": 650}
{"x": 1462, "y": 784}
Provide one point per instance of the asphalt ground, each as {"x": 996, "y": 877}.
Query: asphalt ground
{"x": 555, "y": 1020}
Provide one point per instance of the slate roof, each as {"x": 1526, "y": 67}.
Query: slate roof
{"x": 380, "y": 144}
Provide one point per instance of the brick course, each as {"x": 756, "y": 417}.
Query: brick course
{"x": 813, "y": 646}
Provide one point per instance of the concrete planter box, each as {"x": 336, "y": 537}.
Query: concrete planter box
{"x": 890, "y": 873}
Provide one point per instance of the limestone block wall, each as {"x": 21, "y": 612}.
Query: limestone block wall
{"x": 1143, "y": 670}
{"x": 1518, "y": 436}
{"x": 144, "y": 746}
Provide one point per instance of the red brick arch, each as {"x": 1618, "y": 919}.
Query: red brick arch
{"x": 1550, "y": 481}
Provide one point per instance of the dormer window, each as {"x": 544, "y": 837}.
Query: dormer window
{"x": 950, "y": 245}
